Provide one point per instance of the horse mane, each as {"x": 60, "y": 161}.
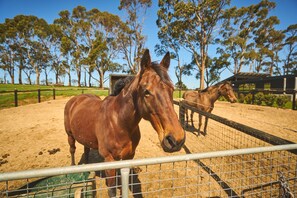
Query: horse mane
{"x": 120, "y": 84}
{"x": 161, "y": 71}
{"x": 207, "y": 89}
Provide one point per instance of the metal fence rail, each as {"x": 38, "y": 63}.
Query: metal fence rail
{"x": 252, "y": 172}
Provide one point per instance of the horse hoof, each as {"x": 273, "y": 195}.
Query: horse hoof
{"x": 112, "y": 192}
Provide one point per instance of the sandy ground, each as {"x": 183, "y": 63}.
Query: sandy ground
{"x": 33, "y": 136}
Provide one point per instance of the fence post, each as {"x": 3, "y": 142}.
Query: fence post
{"x": 181, "y": 114}
{"x": 54, "y": 93}
{"x": 15, "y": 97}
{"x": 125, "y": 181}
{"x": 294, "y": 100}
{"x": 38, "y": 90}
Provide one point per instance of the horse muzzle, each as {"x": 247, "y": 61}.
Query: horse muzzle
{"x": 170, "y": 144}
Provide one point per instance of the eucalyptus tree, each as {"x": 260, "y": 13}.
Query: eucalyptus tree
{"x": 193, "y": 24}
{"x": 71, "y": 48}
{"x": 238, "y": 34}
{"x": 132, "y": 38}
{"x": 270, "y": 42}
{"x": 12, "y": 46}
{"x": 18, "y": 36}
{"x": 54, "y": 43}
{"x": 167, "y": 41}
{"x": 101, "y": 40}
{"x": 290, "y": 49}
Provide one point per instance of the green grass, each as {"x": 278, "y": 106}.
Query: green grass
{"x": 46, "y": 92}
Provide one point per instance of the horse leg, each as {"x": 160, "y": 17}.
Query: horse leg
{"x": 192, "y": 122}
{"x": 71, "y": 142}
{"x": 187, "y": 117}
{"x": 86, "y": 154}
{"x": 205, "y": 125}
{"x": 200, "y": 123}
{"x": 110, "y": 178}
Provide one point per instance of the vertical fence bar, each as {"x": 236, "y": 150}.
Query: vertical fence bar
{"x": 294, "y": 100}
{"x": 181, "y": 114}
{"x": 38, "y": 90}
{"x": 54, "y": 94}
{"x": 15, "y": 97}
{"x": 125, "y": 181}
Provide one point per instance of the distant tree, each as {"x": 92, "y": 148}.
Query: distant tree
{"x": 132, "y": 39}
{"x": 71, "y": 26}
{"x": 168, "y": 42}
{"x": 192, "y": 24}
{"x": 290, "y": 47}
{"x": 270, "y": 42}
{"x": 103, "y": 47}
{"x": 240, "y": 24}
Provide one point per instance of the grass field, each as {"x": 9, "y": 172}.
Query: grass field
{"x": 28, "y": 94}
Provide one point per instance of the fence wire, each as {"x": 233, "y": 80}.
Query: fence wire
{"x": 260, "y": 174}
{"x": 225, "y": 163}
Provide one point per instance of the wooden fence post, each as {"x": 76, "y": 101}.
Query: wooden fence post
{"x": 294, "y": 100}
{"x": 54, "y": 94}
{"x": 38, "y": 90}
{"x": 182, "y": 114}
{"x": 15, "y": 97}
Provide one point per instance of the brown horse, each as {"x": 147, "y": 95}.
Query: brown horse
{"x": 205, "y": 100}
{"x": 111, "y": 125}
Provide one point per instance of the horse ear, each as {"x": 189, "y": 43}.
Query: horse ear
{"x": 166, "y": 61}
{"x": 145, "y": 60}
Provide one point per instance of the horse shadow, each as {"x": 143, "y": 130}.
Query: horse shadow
{"x": 193, "y": 129}
{"x": 134, "y": 181}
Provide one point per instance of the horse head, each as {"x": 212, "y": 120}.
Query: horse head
{"x": 155, "y": 102}
{"x": 226, "y": 90}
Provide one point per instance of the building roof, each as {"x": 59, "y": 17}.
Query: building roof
{"x": 246, "y": 75}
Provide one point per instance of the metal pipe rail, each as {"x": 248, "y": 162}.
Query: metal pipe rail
{"x": 137, "y": 162}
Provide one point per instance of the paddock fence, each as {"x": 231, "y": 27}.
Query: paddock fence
{"x": 232, "y": 160}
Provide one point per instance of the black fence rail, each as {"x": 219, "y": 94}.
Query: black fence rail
{"x": 261, "y": 135}
{"x": 39, "y": 91}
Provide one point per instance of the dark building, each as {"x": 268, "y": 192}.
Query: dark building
{"x": 260, "y": 81}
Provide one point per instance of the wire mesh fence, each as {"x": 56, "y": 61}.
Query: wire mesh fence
{"x": 228, "y": 162}
{"x": 254, "y": 172}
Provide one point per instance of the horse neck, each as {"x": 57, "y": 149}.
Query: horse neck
{"x": 127, "y": 102}
{"x": 214, "y": 95}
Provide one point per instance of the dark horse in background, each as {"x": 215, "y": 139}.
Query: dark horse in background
{"x": 205, "y": 99}
{"x": 111, "y": 125}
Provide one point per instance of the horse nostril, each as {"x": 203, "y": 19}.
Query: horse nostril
{"x": 171, "y": 141}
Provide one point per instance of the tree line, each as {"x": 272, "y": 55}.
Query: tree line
{"x": 79, "y": 40}
{"x": 245, "y": 37}
{"x": 91, "y": 40}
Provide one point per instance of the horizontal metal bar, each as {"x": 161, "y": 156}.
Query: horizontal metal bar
{"x": 137, "y": 162}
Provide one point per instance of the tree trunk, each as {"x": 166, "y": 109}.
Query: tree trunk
{"x": 20, "y": 72}
{"x": 101, "y": 78}
{"x": 57, "y": 78}
{"x": 37, "y": 76}
{"x": 78, "y": 71}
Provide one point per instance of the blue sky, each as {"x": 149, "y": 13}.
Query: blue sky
{"x": 48, "y": 9}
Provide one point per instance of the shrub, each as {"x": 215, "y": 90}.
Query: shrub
{"x": 248, "y": 98}
{"x": 222, "y": 98}
{"x": 269, "y": 99}
{"x": 259, "y": 98}
{"x": 281, "y": 101}
{"x": 241, "y": 98}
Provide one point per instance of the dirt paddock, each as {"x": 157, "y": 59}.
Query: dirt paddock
{"x": 33, "y": 136}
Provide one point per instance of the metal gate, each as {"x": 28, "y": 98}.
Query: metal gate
{"x": 247, "y": 163}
